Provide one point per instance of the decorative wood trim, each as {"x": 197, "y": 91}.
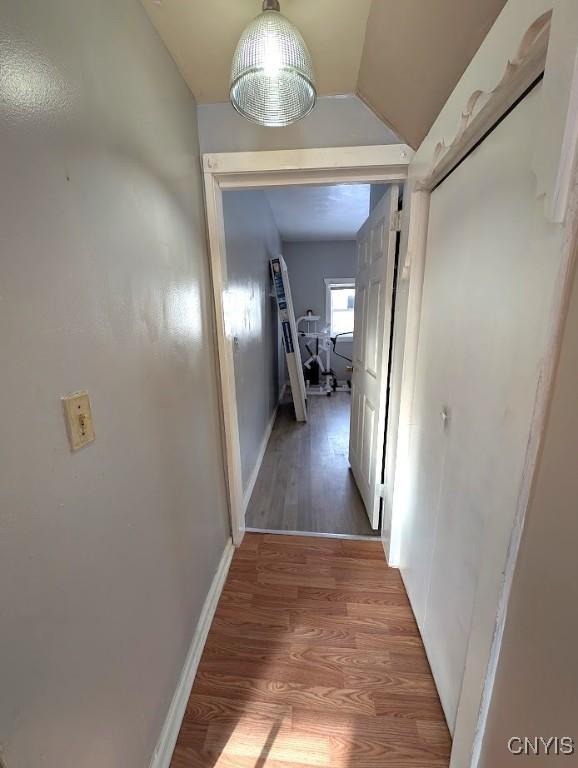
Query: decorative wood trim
{"x": 243, "y": 170}
{"x": 172, "y": 725}
{"x": 413, "y": 272}
{"x": 563, "y": 185}
{"x": 324, "y": 158}
{"x": 484, "y": 109}
{"x": 316, "y": 178}
{"x": 229, "y": 419}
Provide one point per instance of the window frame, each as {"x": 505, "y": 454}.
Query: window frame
{"x": 337, "y": 282}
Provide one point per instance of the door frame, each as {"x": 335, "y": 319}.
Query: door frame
{"x": 260, "y": 170}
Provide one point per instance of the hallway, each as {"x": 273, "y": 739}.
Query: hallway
{"x": 305, "y": 483}
{"x": 313, "y": 659}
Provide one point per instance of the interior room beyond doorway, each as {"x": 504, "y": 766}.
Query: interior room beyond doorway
{"x": 296, "y": 476}
{"x": 305, "y": 483}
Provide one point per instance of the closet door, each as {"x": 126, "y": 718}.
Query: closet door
{"x": 487, "y": 291}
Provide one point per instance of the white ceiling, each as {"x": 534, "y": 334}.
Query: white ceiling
{"x": 319, "y": 213}
{"x": 202, "y": 36}
{"x": 403, "y": 58}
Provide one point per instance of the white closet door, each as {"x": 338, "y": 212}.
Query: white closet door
{"x": 376, "y": 242}
{"x": 487, "y": 290}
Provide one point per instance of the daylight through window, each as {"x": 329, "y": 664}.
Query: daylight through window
{"x": 342, "y": 303}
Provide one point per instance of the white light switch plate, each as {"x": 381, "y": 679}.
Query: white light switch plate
{"x": 78, "y": 419}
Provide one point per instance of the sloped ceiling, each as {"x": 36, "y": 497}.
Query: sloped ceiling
{"x": 402, "y": 57}
{"x": 415, "y": 52}
{"x": 202, "y": 36}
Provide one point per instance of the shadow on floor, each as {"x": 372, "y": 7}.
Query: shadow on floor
{"x": 313, "y": 659}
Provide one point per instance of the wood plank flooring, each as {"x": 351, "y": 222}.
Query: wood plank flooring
{"x": 305, "y": 483}
{"x": 313, "y": 659}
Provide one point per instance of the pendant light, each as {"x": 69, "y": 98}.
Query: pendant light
{"x": 272, "y": 79}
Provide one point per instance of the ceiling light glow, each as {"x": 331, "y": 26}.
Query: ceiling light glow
{"x": 272, "y": 77}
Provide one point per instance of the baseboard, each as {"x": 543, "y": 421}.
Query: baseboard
{"x": 263, "y": 447}
{"x": 166, "y": 744}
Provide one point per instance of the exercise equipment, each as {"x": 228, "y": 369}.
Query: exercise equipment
{"x": 320, "y": 378}
{"x": 317, "y": 372}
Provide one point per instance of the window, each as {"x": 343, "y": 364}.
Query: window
{"x": 340, "y": 306}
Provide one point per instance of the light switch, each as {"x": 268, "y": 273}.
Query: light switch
{"x": 78, "y": 419}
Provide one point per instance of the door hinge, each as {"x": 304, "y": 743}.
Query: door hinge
{"x": 395, "y": 223}
{"x": 381, "y": 490}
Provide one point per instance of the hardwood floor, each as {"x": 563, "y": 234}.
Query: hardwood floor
{"x": 305, "y": 483}
{"x": 313, "y": 659}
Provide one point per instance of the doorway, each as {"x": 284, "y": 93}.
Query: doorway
{"x": 262, "y": 170}
{"x": 296, "y": 452}
{"x": 304, "y": 483}
{"x": 323, "y": 468}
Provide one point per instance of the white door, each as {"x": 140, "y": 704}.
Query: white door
{"x": 376, "y": 242}
{"x": 489, "y": 277}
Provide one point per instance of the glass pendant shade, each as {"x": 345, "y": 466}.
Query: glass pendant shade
{"x": 272, "y": 79}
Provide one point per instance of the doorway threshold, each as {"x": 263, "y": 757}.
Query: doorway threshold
{"x": 350, "y": 536}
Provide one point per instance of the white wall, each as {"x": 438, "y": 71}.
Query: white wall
{"x": 251, "y": 240}
{"x": 309, "y": 263}
{"x": 484, "y": 73}
{"x": 106, "y": 555}
{"x": 536, "y": 687}
{"x": 336, "y": 121}
{"x": 490, "y": 270}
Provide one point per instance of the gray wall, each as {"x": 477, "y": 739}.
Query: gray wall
{"x": 309, "y": 263}
{"x": 336, "y": 121}
{"x": 106, "y": 555}
{"x": 252, "y": 239}
{"x": 376, "y": 192}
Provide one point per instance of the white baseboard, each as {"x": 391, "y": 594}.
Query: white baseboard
{"x": 263, "y": 447}
{"x": 168, "y": 738}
